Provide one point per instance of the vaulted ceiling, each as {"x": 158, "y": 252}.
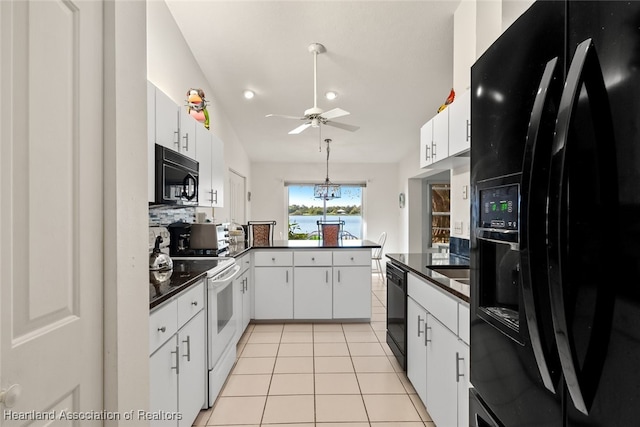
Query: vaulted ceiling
{"x": 391, "y": 63}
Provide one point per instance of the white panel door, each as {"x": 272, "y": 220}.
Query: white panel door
{"x": 416, "y": 348}
{"x": 167, "y": 121}
{"x": 352, "y": 292}
{"x": 237, "y": 185}
{"x": 188, "y": 126}
{"x": 203, "y": 156}
{"x": 312, "y": 293}
{"x": 273, "y": 292}
{"x": 51, "y": 244}
{"x": 218, "y": 171}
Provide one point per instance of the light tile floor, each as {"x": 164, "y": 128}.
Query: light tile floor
{"x": 318, "y": 375}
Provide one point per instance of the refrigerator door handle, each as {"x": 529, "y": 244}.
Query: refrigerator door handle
{"x": 532, "y": 241}
{"x": 581, "y": 378}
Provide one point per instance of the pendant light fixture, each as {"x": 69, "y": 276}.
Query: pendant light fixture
{"x": 327, "y": 190}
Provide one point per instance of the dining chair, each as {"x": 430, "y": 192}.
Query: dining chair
{"x": 261, "y": 232}
{"x": 330, "y": 231}
{"x": 377, "y": 255}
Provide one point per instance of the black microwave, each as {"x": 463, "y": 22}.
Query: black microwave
{"x": 176, "y": 178}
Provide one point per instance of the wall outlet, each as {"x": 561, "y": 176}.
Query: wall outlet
{"x": 457, "y": 227}
{"x": 465, "y": 192}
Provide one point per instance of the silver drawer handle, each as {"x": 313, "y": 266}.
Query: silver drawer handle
{"x": 194, "y": 303}
{"x": 162, "y": 329}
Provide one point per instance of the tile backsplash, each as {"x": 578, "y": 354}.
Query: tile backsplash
{"x": 165, "y": 215}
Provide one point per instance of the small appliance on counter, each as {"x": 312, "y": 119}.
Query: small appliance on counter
{"x": 198, "y": 239}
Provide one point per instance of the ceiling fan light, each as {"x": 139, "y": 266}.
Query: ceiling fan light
{"x": 248, "y": 94}
{"x": 331, "y": 95}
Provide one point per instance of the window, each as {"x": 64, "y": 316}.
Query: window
{"x": 305, "y": 211}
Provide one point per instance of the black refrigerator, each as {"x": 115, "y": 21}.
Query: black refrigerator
{"x": 555, "y": 214}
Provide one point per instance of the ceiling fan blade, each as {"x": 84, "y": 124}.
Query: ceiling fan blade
{"x": 350, "y": 128}
{"x": 299, "y": 129}
{"x": 282, "y": 116}
{"x": 336, "y": 112}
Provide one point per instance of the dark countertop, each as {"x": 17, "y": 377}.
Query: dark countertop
{"x": 164, "y": 285}
{"x": 419, "y": 263}
{"x": 318, "y": 244}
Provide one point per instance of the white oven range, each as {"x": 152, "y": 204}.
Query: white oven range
{"x": 221, "y": 322}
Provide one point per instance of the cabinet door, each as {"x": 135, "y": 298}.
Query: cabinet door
{"x": 273, "y": 293}
{"x": 246, "y": 301}
{"x": 203, "y": 156}
{"x": 312, "y": 293}
{"x": 238, "y": 305}
{"x": 442, "y": 386}
{"x": 460, "y": 124}
{"x": 352, "y": 292}
{"x": 462, "y": 371}
{"x": 440, "y": 144}
{"x": 416, "y": 348}
{"x": 166, "y": 124}
{"x": 151, "y": 142}
{"x": 163, "y": 381}
{"x": 217, "y": 171}
{"x": 193, "y": 370}
{"x": 188, "y": 126}
{"x": 426, "y": 138}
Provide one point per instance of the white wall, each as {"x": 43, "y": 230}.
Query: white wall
{"x": 464, "y": 44}
{"x": 410, "y": 218}
{"x": 173, "y": 69}
{"x": 460, "y": 205}
{"x": 381, "y": 211}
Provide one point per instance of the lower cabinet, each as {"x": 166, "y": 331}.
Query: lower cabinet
{"x": 352, "y": 292}
{"x": 177, "y": 366}
{"x": 242, "y": 296}
{"x": 273, "y": 291}
{"x": 417, "y": 347}
{"x": 437, "y": 358}
{"x": 312, "y": 293}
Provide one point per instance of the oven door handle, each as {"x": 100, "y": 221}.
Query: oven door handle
{"x": 225, "y": 280}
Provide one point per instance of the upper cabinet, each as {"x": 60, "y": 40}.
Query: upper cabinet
{"x": 171, "y": 126}
{"x": 210, "y": 157}
{"x": 460, "y": 124}
{"x": 447, "y": 135}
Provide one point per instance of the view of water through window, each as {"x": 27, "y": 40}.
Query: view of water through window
{"x": 305, "y": 211}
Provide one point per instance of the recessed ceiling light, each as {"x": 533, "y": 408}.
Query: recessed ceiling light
{"x": 331, "y": 95}
{"x": 248, "y": 94}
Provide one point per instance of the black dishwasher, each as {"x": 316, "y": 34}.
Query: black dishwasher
{"x": 397, "y": 312}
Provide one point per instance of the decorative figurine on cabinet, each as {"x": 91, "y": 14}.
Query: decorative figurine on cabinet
{"x": 197, "y": 106}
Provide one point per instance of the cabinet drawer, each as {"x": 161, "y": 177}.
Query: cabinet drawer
{"x": 273, "y": 258}
{"x": 463, "y": 322}
{"x": 312, "y": 258}
{"x": 163, "y": 323}
{"x": 440, "y": 305}
{"x": 244, "y": 262}
{"x": 190, "y": 303}
{"x": 350, "y": 257}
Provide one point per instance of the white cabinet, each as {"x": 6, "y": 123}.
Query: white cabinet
{"x": 417, "y": 347}
{"x": 437, "y": 357}
{"x": 440, "y": 144}
{"x": 178, "y": 357}
{"x": 313, "y": 294}
{"x": 192, "y": 374}
{"x": 463, "y": 382}
{"x": 273, "y": 290}
{"x": 163, "y": 381}
{"x": 217, "y": 171}
{"x": 460, "y": 124}
{"x": 151, "y": 142}
{"x": 210, "y": 156}
{"x": 242, "y": 295}
{"x": 167, "y": 121}
{"x": 426, "y": 139}
{"x": 352, "y": 284}
{"x": 442, "y": 385}
{"x": 352, "y": 292}
{"x": 188, "y": 126}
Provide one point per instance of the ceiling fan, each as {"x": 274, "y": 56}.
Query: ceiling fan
{"x": 315, "y": 116}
